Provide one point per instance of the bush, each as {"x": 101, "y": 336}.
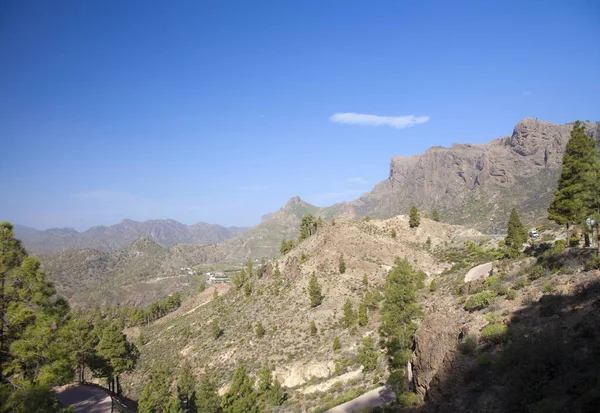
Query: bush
{"x": 480, "y": 300}
{"x": 574, "y": 241}
{"x": 469, "y": 344}
{"x": 558, "y": 247}
{"x": 408, "y": 399}
{"x": 493, "y": 318}
{"x": 495, "y": 333}
{"x": 536, "y": 272}
{"x": 547, "y": 288}
{"x": 593, "y": 264}
{"x": 520, "y": 283}
{"x": 432, "y": 286}
{"x": 492, "y": 283}
{"x": 511, "y": 295}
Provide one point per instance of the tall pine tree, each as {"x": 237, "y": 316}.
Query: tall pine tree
{"x": 516, "y": 234}
{"x": 578, "y": 193}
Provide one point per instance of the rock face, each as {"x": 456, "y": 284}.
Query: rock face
{"x": 476, "y": 185}
{"x": 166, "y": 233}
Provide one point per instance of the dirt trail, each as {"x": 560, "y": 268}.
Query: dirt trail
{"x": 481, "y": 271}
{"x": 85, "y": 399}
{"x": 376, "y": 397}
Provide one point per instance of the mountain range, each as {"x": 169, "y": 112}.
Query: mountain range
{"x": 165, "y": 233}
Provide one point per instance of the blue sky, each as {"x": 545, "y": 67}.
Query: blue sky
{"x": 219, "y": 111}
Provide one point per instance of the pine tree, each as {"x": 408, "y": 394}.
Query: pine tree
{"x": 215, "y": 330}
{"x": 336, "y": 344}
{"x": 435, "y": 215}
{"x": 313, "y": 328}
{"x": 363, "y": 317}
{"x": 314, "y": 291}
{"x": 156, "y": 394}
{"x": 399, "y": 314}
{"x": 186, "y": 387}
{"x": 120, "y": 355}
{"x": 367, "y": 355}
{"x": 342, "y": 264}
{"x": 414, "y": 220}
{"x": 308, "y": 226}
{"x": 241, "y": 397}
{"x": 578, "y": 194}
{"x": 349, "y": 317}
{"x": 207, "y": 397}
{"x": 516, "y": 234}
{"x": 260, "y": 330}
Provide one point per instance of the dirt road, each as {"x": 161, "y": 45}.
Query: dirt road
{"x": 481, "y": 271}
{"x": 85, "y": 399}
{"x": 376, "y": 397}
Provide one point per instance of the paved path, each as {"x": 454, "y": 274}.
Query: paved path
{"x": 481, "y": 271}
{"x": 376, "y": 397}
{"x": 85, "y": 399}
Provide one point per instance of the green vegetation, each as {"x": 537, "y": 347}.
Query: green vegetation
{"x": 349, "y": 317}
{"x": 393, "y": 233}
{"x": 308, "y": 226}
{"x": 41, "y": 343}
{"x": 215, "y": 329}
{"x": 367, "y": 355}
{"x": 269, "y": 389}
{"x": 480, "y": 300}
{"x": 286, "y": 246}
{"x": 495, "y": 333}
{"x": 314, "y": 291}
{"x": 241, "y": 397}
{"x": 336, "y": 344}
{"x": 469, "y": 344}
{"x": 313, "y": 328}
{"x": 363, "y": 317}
{"x": 341, "y": 264}
{"x": 516, "y": 234}
{"x": 414, "y": 219}
{"x": 399, "y": 316}
{"x": 435, "y": 215}
{"x": 578, "y": 193}
{"x": 260, "y": 330}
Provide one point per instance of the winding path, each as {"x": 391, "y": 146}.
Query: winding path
{"x": 85, "y": 399}
{"x": 374, "y": 398}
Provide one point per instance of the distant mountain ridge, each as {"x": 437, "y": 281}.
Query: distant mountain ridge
{"x": 165, "y": 233}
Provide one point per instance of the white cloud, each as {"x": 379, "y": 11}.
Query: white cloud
{"x": 398, "y": 122}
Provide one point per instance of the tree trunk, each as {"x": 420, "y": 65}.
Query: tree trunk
{"x": 118, "y": 386}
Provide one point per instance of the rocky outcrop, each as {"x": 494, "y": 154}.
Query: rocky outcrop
{"x": 476, "y": 185}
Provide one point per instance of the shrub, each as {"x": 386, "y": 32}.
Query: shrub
{"x": 520, "y": 283}
{"x": 574, "y": 241}
{"x": 408, "y": 399}
{"x": 480, "y": 300}
{"x": 511, "y": 295}
{"x": 495, "y": 333}
{"x": 492, "y": 283}
{"x": 432, "y": 286}
{"x": 469, "y": 344}
{"x": 558, "y": 247}
{"x": 336, "y": 344}
{"x": 547, "y": 288}
{"x": 593, "y": 264}
{"x": 367, "y": 355}
{"x": 492, "y": 318}
{"x": 393, "y": 233}
{"x": 536, "y": 272}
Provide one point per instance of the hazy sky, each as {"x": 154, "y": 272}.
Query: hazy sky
{"x": 220, "y": 111}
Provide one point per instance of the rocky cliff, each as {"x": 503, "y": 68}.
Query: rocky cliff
{"x": 476, "y": 185}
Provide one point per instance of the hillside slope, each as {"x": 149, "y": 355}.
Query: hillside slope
{"x": 166, "y": 233}
{"x": 305, "y": 363}
{"x": 476, "y": 185}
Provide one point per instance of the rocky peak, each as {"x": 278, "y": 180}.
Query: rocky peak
{"x": 294, "y": 202}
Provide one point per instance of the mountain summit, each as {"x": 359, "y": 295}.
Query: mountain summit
{"x": 476, "y": 185}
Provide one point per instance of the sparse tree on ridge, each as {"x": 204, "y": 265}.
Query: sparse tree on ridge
{"x": 516, "y": 233}
{"x": 314, "y": 291}
{"x": 435, "y": 215}
{"x": 342, "y": 264}
{"x": 578, "y": 192}
{"x": 414, "y": 219}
